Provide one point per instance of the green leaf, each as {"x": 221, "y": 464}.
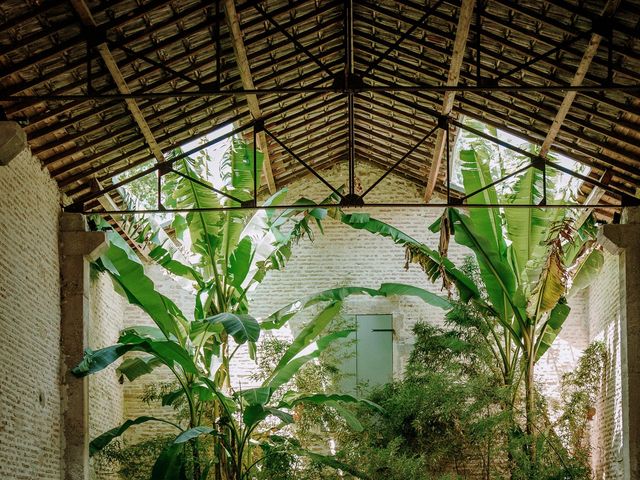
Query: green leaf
{"x": 135, "y": 367}
{"x": 310, "y": 332}
{"x": 237, "y": 168}
{"x": 170, "y": 465}
{"x": 330, "y": 461}
{"x": 528, "y": 228}
{"x": 241, "y": 327}
{"x": 285, "y": 372}
{"x": 274, "y": 233}
{"x": 497, "y": 274}
{"x": 586, "y": 271}
{"x": 486, "y": 223}
{"x": 169, "y": 353}
{"x": 389, "y": 289}
{"x": 255, "y": 413}
{"x": 348, "y": 416}
{"x": 550, "y": 288}
{"x": 476, "y": 175}
{"x": 193, "y": 433}
{"x": 94, "y": 361}
{"x": 428, "y": 259}
{"x": 140, "y": 332}
{"x": 291, "y": 399}
{"x": 552, "y": 327}
{"x": 128, "y": 273}
{"x": 240, "y": 262}
{"x": 165, "y": 259}
{"x": 103, "y": 440}
{"x": 280, "y": 317}
{"x": 257, "y": 396}
{"x": 205, "y": 227}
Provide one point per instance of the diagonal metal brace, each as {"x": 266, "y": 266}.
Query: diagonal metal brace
{"x": 293, "y": 39}
{"x": 304, "y": 164}
{"x": 206, "y": 185}
{"x": 400, "y": 160}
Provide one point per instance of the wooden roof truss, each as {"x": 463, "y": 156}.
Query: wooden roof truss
{"x": 107, "y": 89}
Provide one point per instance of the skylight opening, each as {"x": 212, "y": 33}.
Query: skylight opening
{"x": 503, "y": 161}
{"x": 141, "y": 194}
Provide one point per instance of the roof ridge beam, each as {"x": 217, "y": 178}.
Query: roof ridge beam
{"x": 457, "y": 57}
{"x": 247, "y": 83}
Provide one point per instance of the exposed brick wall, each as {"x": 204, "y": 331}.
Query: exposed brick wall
{"x": 29, "y": 323}
{"x": 604, "y": 325}
{"x": 106, "y": 402}
{"x": 344, "y": 256}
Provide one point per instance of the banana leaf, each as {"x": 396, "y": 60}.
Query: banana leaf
{"x": 101, "y": 441}
{"x": 130, "y": 280}
{"x": 551, "y": 328}
{"x": 280, "y": 317}
{"x": 429, "y": 260}
{"x": 285, "y": 372}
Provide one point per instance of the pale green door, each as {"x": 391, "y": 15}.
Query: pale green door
{"x": 367, "y": 353}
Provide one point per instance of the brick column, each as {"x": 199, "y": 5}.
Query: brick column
{"x": 13, "y": 142}
{"x": 624, "y": 240}
{"x": 77, "y": 248}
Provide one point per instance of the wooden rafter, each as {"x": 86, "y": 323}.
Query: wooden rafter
{"x": 578, "y": 78}
{"x": 594, "y": 197}
{"x": 109, "y": 205}
{"x": 85, "y": 15}
{"x": 247, "y": 83}
{"x": 464, "y": 23}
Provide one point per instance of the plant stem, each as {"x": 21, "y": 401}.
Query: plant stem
{"x": 530, "y": 406}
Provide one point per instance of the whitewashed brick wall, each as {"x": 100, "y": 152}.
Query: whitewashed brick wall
{"x": 106, "y": 402}
{"x": 603, "y": 311}
{"x": 29, "y": 323}
{"x": 30, "y": 421}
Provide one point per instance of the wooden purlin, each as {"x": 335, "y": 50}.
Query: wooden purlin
{"x": 247, "y": 83}
{"x": 459, "y": 47}
{"x": 87, "y": 19}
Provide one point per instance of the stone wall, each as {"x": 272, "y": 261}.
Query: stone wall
{"x": 29, "y": 322}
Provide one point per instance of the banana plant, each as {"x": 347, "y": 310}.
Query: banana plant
{"x": 225, "y": 437}
{"x": 530, "y": 260}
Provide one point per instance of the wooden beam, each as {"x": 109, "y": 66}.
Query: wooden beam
{"x": 594, "y": 197}
{"x": 85, "y": 15}
{"x": 247, "y": 83}
{"x": 108, "y": 204}
{"x": 578, "y": 78}
{"x": 457, "y": 57}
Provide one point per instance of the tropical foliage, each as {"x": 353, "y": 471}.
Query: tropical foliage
{"x": 228, "y": 433}
{"x": 530, "y": 260}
